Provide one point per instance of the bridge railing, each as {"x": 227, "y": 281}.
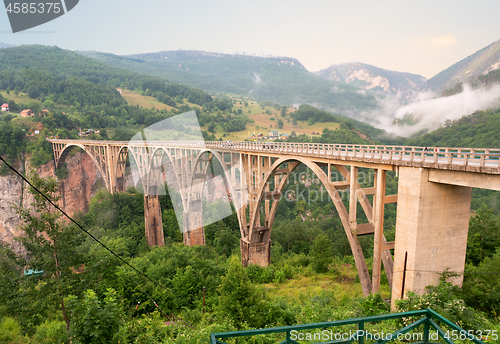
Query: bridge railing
{"x": 444, "y": 155}
{"x": 355, "y": 330}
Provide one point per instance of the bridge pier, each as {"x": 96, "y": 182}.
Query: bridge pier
{"x": 153, "y": 220}
{"x": 193, "y": 232}
{"x": 431, "y": 231}
{"x": 258, "y": 253}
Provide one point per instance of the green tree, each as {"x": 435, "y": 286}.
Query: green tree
{"x": 55, "y": 251}
{"x": 322, "y": 253}
{"x": 186, "y": 285}
{"x": 93, "y": 320}
{"x": 239, "y": 300}
{"x": 33, "y": 92}
{"x": 484, "y": 236}
{"x": 280, "y": 124}
{"x": 283, "y": 111}
{"x": 481, "y": 288}
{"x": 211, "y": 127}
{"x": 10, "y": 331}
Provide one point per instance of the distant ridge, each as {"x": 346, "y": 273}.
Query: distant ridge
{"x": 5, "y": 45}
{"x": 371, "y": 77}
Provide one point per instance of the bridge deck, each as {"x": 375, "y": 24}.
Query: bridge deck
{"x": 456, "y": 159}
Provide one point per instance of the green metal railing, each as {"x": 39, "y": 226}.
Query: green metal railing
{"x": 429, "y": 320}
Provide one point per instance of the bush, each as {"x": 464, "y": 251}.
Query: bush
{"x": 372, "y": 305}
{"x": 94, "y": 320}
{"x": 10, "y": 332}
{"x": 147, "y": 329}
{"x": 322, "y": 253}
{"x": 50, "y": 332}
{"x": 443, "y": 299}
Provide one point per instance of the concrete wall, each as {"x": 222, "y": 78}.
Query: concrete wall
{"x": 431, "y": 230}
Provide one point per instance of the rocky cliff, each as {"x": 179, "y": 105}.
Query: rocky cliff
{"x": 80, "y": 185}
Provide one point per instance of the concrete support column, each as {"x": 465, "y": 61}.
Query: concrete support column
{"x": 153, "y": 221}
{"x": 193, "y": 231}
{"x": 378, "y": 224}
{"x": 353, "y": 201}
{"x": 431, "y": 231}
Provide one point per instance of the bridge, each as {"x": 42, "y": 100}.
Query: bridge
{"x": 433, "y": 200}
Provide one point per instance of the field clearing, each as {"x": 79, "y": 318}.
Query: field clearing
{"x": 133, "y": 98}
{"x": 265, "y": 124}
{"x": 343, "y": 285}
{"x": 20, "y": 98}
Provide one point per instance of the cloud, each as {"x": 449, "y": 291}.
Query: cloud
{"x": 430, "y": 112}
{"x": 446, "y": 40}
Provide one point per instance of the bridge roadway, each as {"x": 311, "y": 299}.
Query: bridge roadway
{"x": 433, "y": 200}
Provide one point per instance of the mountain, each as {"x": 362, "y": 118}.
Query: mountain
{"x": 42, "y": 67}
{"x": 282, "y": 80}
{"x": 473, "y": 66}
{"x": 370, "y": 77}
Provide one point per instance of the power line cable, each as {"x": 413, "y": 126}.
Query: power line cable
{"x": 77, "y": 224}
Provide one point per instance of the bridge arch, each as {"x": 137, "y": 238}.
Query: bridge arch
{"x": 238, "y": 203}
{"x": 156, "y": 162}
{"x": 334, "y": 195}
{"x": 101, "y": 167}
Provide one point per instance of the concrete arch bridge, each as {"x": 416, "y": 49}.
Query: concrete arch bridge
{"x": 433, "y": 200}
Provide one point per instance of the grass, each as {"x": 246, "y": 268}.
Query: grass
{"x": 343, "y": 283}
{"x": 134, "y": 99}
{"x": 263, "y": 123}
{"x": 21, "y": 98}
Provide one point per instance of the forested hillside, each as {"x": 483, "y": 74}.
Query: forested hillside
{"x": 278, "y": 79}
{"x": 478, "y": 130}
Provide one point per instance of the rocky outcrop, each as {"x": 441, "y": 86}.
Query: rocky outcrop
{"x": 80, "y": 185}
{"x": 11, "y": 192}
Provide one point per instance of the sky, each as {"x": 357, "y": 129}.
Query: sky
{"x": 421, "y": 37}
